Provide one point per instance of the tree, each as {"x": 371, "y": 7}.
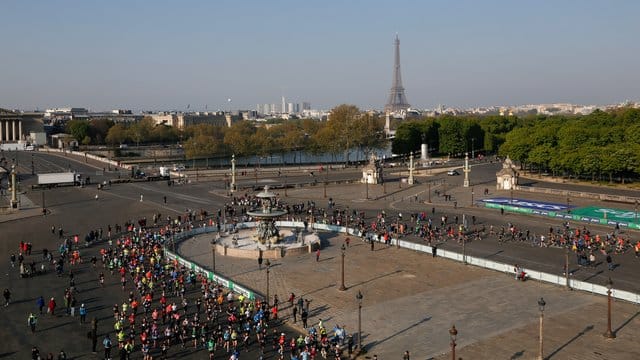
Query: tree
{"x": 203, "y": 140}
{"x": 342, "y": 124}
{"x": 79, "y": 129}
{"x": 117, "y": 134}
{"x": 239, "y": 138}
{"x": 518, "y": 144}
{"x": 140, "y": 131}
{"x": 451, "y": 135}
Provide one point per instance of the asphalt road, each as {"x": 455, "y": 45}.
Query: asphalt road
{"x": 77, "y": 212}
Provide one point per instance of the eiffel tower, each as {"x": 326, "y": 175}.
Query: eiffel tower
{"x": 397, "y": 100}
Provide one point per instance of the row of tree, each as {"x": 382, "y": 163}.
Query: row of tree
{"x": 453, "y": 135}
{"x": 590, "y": 146}
{"x": 603, "y": 143}
{"x": 347, "y": 128}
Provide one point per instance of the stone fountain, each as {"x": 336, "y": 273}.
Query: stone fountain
{"x": 266, "y": 216}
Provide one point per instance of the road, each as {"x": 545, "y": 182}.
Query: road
{"x": 77, "y": 212}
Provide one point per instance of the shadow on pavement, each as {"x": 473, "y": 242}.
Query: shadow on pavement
{"x": 581, "y": 333}
{"x": 375, "y": 343}
{"x": 56, "y": 326}
{"x": 626, "y": 322}
{"x": 376, "y": 278}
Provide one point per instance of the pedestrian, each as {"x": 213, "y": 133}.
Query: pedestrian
{"x": 141, "y": 196}
{"x": 304, "y": 316}
{"x": 300, "y": 304}
{"x": 94, "y": 340}
{"x": 260, "y": 261}
{"x": 406, "y": 355}
{"x": 372, "y": 244}
{"x": 83, "y": 313}
{"x": 32, "y": 320}
{"x": 62, "y": 355}
{"x": 434, "y": 250}
{"x": 295, "y": 312}
{"x": 164, "y": 198}
{"x": 13, "y": 260}
{"x": 72, "y": 306}
{"x": 52, "y": 306}
{"x": 7, "y": 297}
{"x": 609, "y": 262}
{"x": 317, "y": 255}
{"x": 40, "y": 303}
{"x": 347, "y": 241}
{"x": 106, "y": 342}
{"x": 35, "y": 353}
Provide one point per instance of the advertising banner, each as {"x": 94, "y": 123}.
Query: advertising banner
{"x": 527, "y": 204}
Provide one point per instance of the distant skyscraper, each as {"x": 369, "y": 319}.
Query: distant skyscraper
{"x": 283, "y": 108}
{"x": 397, "y": 100}
{"x": 306, "y": 106}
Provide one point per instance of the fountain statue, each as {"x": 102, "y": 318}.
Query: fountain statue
{"x": 266, "y": 230}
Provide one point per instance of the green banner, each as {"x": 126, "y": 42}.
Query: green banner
{"x": 607, "y": 216}
{"x": 508, "y": 208}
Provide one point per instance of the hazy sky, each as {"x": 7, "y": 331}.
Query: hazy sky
{"x": 162, "y": 55}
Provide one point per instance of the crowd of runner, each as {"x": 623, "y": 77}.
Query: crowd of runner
{"x": 166, "y": 306}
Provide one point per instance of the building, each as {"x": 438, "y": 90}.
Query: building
{"x": 182, "y": 120}
{"x": 65, "y": 114}
{"x": 26, "y": 127}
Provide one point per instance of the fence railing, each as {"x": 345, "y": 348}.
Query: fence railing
{"x": 475, "y": 261}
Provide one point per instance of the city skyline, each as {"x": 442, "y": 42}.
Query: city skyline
{"x": 200, "y": 54}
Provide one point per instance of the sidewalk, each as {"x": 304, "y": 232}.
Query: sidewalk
{"x": 410, "y": 300}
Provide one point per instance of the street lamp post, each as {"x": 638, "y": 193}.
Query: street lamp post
{"x": 366, "y": 184}
{"x": 347, "y": 219}
{"x": 342, "y": 287}
{"x": 453, "y": 333}
{"x": 398, "y": 232}
{"x": 213, "y": 255}
{"x": 473, "y": 148}
{"x": 541, "y": 304}
{"x": 359, "y": 299}
{"x": 384, "y": 183}
{"x": 268, "y": 265}
{"x": 609, "y": 334}
{"x": 326, "y": 180}
{"x": 472, "y": 193}
{"x": 464, "y": 250}
{"x": 566, "y": 267}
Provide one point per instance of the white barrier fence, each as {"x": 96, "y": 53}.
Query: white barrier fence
{"x": 475, "y": 261}
{"x": 532, "y": 274}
